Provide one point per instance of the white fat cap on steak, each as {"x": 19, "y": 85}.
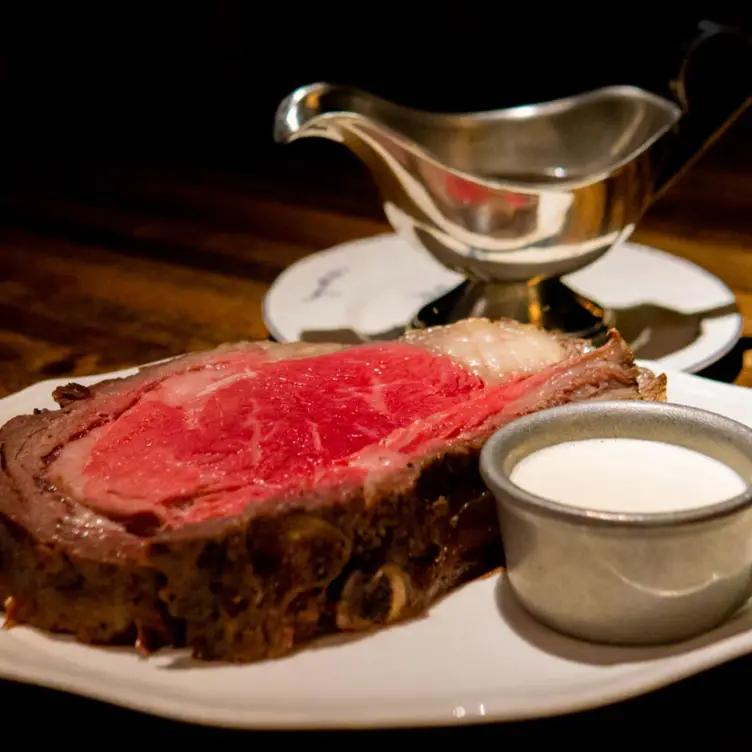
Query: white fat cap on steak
{"x": 492, "y": 349}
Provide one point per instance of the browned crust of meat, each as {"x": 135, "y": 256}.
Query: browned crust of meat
{"x": 258, "y": 585}
{"x": 652, "y": 388}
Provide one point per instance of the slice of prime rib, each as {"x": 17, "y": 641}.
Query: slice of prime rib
{"x": 245, "y": 500}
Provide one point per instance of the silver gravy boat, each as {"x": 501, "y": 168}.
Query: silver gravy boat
{"x": 515, "y": 198}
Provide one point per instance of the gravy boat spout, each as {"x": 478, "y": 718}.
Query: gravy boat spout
{"x": 315, "y": 110}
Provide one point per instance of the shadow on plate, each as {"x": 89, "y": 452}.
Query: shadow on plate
{"x": 549, "y": 641}
{"x": 653, "y": 331}
{"x": 350, "y": 336}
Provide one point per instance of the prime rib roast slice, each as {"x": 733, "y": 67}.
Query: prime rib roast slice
{"x": 244, "y": 500}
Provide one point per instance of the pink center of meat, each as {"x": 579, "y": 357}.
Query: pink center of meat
{"x": 205, "y": 443}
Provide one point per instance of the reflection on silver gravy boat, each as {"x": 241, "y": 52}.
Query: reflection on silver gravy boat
{"x": 515, "y": 198}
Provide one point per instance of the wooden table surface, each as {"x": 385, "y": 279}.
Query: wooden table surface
{"x": 103, "y": 268}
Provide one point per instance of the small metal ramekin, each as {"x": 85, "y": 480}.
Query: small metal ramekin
{"x": 618, "y": 578}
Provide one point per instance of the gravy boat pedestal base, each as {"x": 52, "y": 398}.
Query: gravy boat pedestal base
{"x": 549, "y": 304}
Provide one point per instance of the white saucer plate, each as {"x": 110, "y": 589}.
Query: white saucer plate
{"x": 379, "y": 283}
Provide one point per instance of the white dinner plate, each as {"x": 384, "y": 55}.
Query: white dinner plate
{"x": 375, "y": 284}
{"x": 476, "y": 657}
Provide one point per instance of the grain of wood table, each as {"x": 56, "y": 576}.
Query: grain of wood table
{"x": 104, "y": 268}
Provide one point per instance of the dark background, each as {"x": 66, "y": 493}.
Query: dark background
{"x": 197, "y": 89}
{"x": 204, "y": 88}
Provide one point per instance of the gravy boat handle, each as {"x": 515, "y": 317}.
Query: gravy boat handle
{"x": 709, "y": 107}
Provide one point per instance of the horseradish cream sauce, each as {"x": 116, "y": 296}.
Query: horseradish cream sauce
{"x": 626, "y": 476}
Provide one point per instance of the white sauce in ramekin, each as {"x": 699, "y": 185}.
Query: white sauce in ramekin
{"x": 626, "y": 476}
